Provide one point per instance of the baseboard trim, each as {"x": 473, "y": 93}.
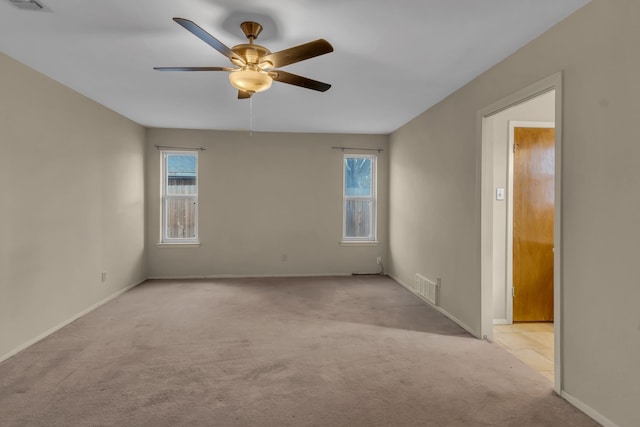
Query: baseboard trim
{"x": 66, "y": 322}
{"x": 246, "y": 276}
{"x": 500, "y": 322}
{"x": 597, "y": 416}
{"x": 440, "y": 309}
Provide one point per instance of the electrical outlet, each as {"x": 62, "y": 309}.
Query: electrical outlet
{"x": 379, "y": 260}
{"x": 103, "y": 276}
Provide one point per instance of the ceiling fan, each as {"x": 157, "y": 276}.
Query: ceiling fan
{"x": 256, "y": 67}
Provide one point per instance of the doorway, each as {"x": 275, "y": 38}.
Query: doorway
{"x": 529, "y": 334}
{"x": 501, "y": 248}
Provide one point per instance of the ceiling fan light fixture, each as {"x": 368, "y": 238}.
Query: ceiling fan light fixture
{"x": 257, "y": 65}
{"x": 250, "y": 80}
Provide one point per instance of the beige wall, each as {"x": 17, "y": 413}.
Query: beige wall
{"x": 263, "y": 196}
{"x": 72, "y": 204}
{"x": 540, "y": 109}
{"x": 435, "y": 204}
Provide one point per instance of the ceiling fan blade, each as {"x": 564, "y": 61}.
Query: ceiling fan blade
{"x": 193, "y": 69}
{"x": 298, "y": 53}
{"x": 243, "y": 95}
{"x": 194, "y": 29}
{"x": 293, "y": 79}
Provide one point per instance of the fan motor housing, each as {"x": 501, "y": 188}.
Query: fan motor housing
{"x": 251, "y": 53}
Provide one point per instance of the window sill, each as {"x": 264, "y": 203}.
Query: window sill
{"x": 359, "y": 243}
{"x": 178, "y": 245}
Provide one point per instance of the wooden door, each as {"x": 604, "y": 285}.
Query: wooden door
{"x": 533, "y": 200}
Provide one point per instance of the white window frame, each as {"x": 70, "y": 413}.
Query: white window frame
{"x": 165, "y": 197}
{"x": 373, "y": 199}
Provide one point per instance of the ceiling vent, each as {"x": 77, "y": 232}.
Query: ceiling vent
{"x": 27, "y": 4}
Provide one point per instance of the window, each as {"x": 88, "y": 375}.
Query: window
{"x": 179, "y": 196}
{"x": 359, "y": 198}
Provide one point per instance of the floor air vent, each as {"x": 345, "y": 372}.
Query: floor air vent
{"x": 426, "y": 289}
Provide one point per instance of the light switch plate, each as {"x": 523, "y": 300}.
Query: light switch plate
{"x": 499, "y": 193}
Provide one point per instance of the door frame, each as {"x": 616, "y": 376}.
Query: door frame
{"x": 485, "y": 194}
{"x": 510, "y": 171}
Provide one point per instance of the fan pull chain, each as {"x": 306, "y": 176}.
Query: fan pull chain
{"x": 251, "y": 116}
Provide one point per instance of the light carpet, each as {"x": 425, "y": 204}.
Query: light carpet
{"x": 330, "y": 351}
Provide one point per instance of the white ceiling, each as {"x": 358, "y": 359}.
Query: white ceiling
{"x": 392, "y": 59}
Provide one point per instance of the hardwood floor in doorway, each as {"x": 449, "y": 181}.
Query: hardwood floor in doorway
{"x": 532, "y": 343}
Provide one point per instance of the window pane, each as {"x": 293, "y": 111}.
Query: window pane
{"x": 181, "y": 174}
{"x": 357, "y": 172}
{"x": 358, "y": 219}
{"x": 181, "y": 217}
